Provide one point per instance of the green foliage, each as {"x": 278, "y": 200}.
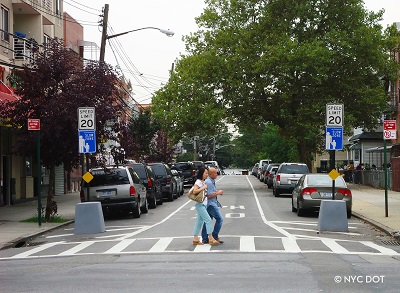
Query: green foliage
{"x": 136, "y": 137}
{"x": 280, "y": 61}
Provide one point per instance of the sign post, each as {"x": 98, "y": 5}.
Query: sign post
{"x": 389, "y": 132}
{"x": 334, "y": 135}
{"x": 34, "y": 124}
{"x": 87, "y": 135}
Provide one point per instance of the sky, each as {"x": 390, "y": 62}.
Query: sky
{"x": 145, "y": 57}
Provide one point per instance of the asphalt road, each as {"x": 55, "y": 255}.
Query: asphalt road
{"x": 267, "y": 248}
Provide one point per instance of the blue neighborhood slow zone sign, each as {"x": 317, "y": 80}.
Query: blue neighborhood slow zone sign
{"x": 334, "y": 138}
{"x": 87, "y": 141}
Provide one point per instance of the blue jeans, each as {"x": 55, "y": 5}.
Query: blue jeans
{"x": 214, "y": 213}
{"x": 202, "y": 216}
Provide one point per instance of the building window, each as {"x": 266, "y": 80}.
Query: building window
{"x": 46, "y": 39}
{"x": 5, "y": 24}
{"x": 58, "y": 7}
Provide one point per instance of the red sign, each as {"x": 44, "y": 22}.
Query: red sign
{"x": 389, "y": 129}
{"x": 33, "y": 124}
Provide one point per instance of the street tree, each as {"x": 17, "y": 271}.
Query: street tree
{"x": 282, "y": 61}
{"x": 137, "y": 135}
{"x": 51, "y": 88}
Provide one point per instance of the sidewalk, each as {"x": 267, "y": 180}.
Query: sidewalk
{"x": 13, "y": 231}
{"x": 368, "y": 204}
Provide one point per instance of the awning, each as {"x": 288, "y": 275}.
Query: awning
{"x": 7, "y": 94}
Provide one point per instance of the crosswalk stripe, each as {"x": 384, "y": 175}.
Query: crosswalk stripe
{"x": 290, "y": 244}
{"x": 120, "y": 246}
{"x": 334, "y": 246}
{"x": 202, "y": 248}
{"x": 247, "y": 244}
{"x": 161, "y": 244}
{"x": 381, "y": 249}
{"x": 77, "y": 248}
{"x": 35, "y": 250}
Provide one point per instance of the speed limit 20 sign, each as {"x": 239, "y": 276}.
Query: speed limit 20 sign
{"x": 86, "y": 118}
{"x": 334, "y": 114}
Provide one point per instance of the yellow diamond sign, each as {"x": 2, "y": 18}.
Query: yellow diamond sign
{"x": 334, "y": 174}
{"x": 87, "y": 177}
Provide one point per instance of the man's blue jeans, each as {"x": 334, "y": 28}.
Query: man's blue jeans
{"x": 214, "y": 213}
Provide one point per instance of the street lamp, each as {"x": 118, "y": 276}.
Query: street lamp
{"x": 168, "y": 32}
{"x": 105, "y": 37}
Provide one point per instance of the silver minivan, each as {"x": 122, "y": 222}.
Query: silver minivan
{"x": 117, "y": 188}
{"x": 287, "y": 176}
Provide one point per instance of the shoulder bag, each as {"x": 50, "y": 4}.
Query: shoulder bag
{"x": 196, "y": 197}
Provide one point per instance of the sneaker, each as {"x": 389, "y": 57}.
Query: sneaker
{"x": 220, "y": 241}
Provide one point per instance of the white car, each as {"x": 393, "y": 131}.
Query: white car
{"x": 213, "y": 164}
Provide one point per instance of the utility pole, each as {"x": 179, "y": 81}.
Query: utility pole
{"x": 104, "y": 34}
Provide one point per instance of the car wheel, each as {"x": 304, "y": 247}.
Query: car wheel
{"x": 348, "y": 214}
{"x": 170, "y": 196}
{"x": 153, "y": 202}
{"x": 145, "y": 208}
{"x": 293, "y": 208}
{"x": 136, "y": 210}
{"x": 300, "y": 211}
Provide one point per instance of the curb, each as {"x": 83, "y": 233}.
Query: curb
{"x": 379, "y": 226}
{"x": 24, "y": 240}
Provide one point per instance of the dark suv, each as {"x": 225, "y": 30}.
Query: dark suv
{"x": 187, "y": 170}
{"x": 116, "y": 188}
{"x": 164, "y": 175}
{"x": 153, "y": 186}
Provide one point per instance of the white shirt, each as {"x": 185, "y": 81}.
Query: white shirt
{"x": 200, "y": 184}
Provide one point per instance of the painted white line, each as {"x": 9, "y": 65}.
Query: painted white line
{"x": 117, "y": 248}
{"x": 334, "y": 246}
{"x": 156, "y": 224}
{"x": 381, "y": 249}
{"x": 202, "y": 248}
{"x": 309, "y": 230}
{"x": 77, "y": 248}
{"x": 161, "y": 244}
{"x": 290, "y": 245}
{"x": 58, "y": 236}
{"x": 247, "y": 244}
{"x": 35, "y": 250}
{"x": 269, "y": 223}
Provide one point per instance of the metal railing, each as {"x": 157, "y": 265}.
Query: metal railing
{"x": 373, "y": 178}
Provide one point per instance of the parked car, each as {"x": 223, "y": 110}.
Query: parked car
{"x": 254, "y": 170}
{"x": 179, "y": 182}
{"x": 187, "y": 170}
{"x": 287, "y": 176}
{"x": 164, "y": 175}
{"x": 266, "y": 171}
{"x": 198, "y": 164}
{"x": 314, "y": 188}
{"x": 153, "y": 186}
{"x": 271, "y": 176}
{"x": 261, "y": 165}
{"x": 117, "y": 188}
{"x": 213, "y": 164}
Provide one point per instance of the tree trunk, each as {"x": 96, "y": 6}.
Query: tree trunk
{"x": 51, "y": 205}
{"x": 304, "y": 154}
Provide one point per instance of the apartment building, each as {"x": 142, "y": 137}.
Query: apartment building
{"x": 23, "y": 25}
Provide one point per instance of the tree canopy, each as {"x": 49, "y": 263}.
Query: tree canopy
{"x": 281, "y": 61}
{"x": 52, "y": 88}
